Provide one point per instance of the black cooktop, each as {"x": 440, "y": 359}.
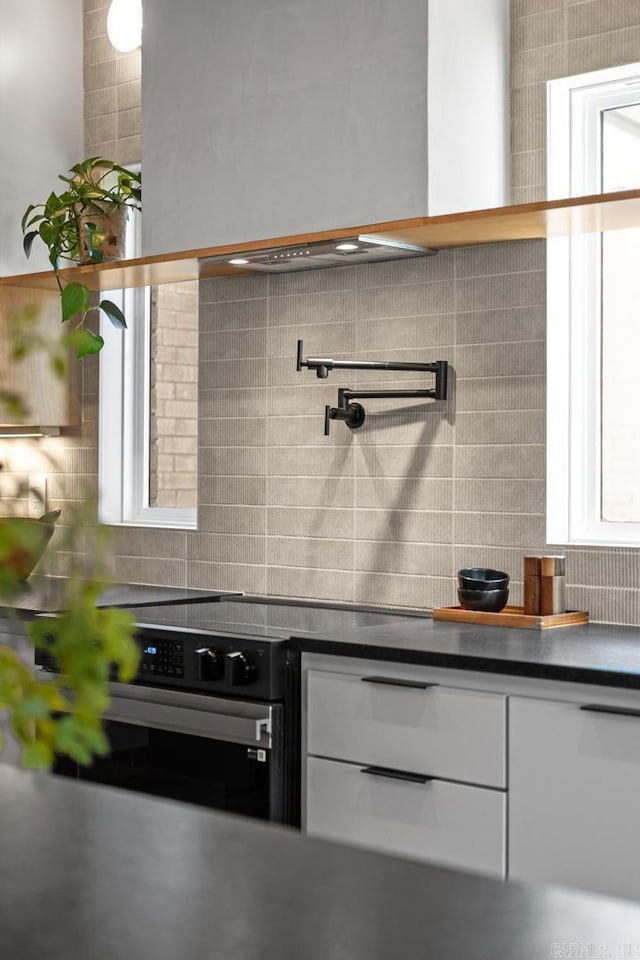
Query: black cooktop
{"x": 267, "y": 619}
{"x": 42, "y": 594}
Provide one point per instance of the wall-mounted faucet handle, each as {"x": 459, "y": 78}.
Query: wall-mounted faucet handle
{"x": 442, "y": 376}
{"x": 353, "y": 415}
{"x": 327, "y": 420}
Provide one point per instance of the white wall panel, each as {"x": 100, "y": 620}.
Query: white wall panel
{"x": 41, "y": 113}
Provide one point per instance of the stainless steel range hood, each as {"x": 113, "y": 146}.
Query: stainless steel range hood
{"x": 324, "y": 253}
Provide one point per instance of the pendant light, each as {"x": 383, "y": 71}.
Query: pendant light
{"x": 124, "y": 24}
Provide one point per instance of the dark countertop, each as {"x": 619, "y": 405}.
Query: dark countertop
{"x": 46, "y": 595}
{"x": 91, "y": 873}
{"x": 593, "y": 653}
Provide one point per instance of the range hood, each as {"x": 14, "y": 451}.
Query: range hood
{"x": 322, "y": 253}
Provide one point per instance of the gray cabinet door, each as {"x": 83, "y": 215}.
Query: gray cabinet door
{"x": 446, "y": 823}
{"x": 574, "y": 794}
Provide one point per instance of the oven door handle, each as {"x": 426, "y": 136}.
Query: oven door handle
{"x": 233, "y": 727}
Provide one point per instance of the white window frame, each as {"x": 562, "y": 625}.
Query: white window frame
{"x": 574, "y": 318}
{"x": 124, "y": 414}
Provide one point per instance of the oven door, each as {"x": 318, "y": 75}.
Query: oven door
{"x": 219, "y": 753}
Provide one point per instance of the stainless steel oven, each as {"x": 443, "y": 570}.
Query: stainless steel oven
{"x": 213, "y": 716}
{"x": 223, "y": 753}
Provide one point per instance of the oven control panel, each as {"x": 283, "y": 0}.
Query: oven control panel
{"x": 162, "y": 658}
{"x": 206, "y": 663}
{"x": 212, "y": 663}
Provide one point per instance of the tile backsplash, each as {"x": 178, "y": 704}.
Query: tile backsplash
{"x": 386, "y": 514}
{"x": 382, "y": 514}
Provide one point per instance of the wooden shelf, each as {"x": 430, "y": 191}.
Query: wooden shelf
{"x": 553, "y": 218}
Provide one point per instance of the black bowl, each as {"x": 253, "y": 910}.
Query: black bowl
{"x": 479, "y": 578}
{"x": 490, "y": 601}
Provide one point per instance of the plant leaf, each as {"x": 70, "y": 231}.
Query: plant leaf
{"x": 27, "y": 214}
{"x": 48, "y": 233}
{"x": 85, "y": 342}
{"x": 114, "y": 313}
{"x": 53, "y": 203}
{"x": 75, "y": 298}
{"x": 27, "y": 243}
{"x": 35, "y": 219}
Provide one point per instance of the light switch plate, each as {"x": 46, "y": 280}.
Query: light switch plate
{"x": 37, "y": 494}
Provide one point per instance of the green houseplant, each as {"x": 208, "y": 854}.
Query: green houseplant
{"x": 63, "y": 714}
{"x": 84, "y": 224}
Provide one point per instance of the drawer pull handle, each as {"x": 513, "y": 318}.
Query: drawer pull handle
{"x": 396, "y": 774}
{"x": 619, "y": 711}
{"x": 389, "y": 682}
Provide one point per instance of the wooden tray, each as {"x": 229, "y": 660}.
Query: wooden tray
{"x": 511, "y": 617}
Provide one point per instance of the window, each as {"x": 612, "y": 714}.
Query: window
{"x": 148, "y": 405}
{"x": 593, "y": 314}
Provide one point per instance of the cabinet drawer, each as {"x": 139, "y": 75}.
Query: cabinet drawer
{"x": 439, "y": 731}
{"x": 447, "y": 823}
{"x": 574, "y": 783}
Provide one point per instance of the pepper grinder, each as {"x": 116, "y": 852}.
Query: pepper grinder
{"x": 544, "y": 585}
{"x": 532, "y": 586}
{"x": 552, "y": 585}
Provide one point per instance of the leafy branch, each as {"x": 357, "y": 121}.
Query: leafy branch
{"x": 76, "y": 306}
{"x": 71, "y": 224}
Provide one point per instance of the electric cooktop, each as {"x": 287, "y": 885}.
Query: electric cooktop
{"x": 264, "y": 618}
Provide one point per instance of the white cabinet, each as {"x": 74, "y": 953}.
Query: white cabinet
{"x": 42, "y": 136}
{"x": 408, "y": 725}
{"x": 407, "y": 766}
{"x": 42, "y": 117}
{"x": 413, "y": 760}
{"x": 292, "y": 116}
{"x": 574, "y": 795}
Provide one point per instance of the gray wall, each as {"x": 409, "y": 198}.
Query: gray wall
{"x": 388, "y": 514}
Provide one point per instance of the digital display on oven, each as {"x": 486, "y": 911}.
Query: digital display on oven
{"x": 151, "y": 650}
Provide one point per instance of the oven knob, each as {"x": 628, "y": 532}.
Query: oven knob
{"x": 240, "y": 669}
{"x": 209, "y": 664}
